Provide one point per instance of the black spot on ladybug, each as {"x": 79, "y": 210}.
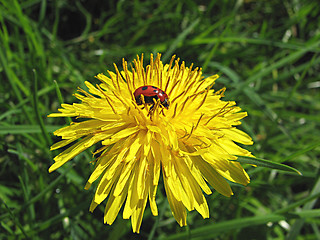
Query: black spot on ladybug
{"x": 144, "y": 88}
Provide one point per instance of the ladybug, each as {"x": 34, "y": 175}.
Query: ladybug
{"x": 150, "y": 93}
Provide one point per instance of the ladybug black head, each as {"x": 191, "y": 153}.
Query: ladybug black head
{"x": 166, "y": 103}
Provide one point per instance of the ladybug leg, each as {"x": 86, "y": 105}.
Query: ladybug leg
{"x": 154, "y": 106}
{"x": 153, "y": 101}
{"x": 151, "y": 110}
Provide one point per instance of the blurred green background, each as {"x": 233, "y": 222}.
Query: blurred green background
{"x": 267, "y": 54}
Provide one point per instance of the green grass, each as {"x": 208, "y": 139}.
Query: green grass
{"x": 267, "y": 53}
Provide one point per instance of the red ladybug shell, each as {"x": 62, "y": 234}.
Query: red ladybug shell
{"x": 150, "y": 93}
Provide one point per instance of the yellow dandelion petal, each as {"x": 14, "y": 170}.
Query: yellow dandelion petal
{"x": 202, "y": 207}
{"x": 141, "y": 181}
{"x": 138, "y": 213}
{"x": 150, "y": 120}
{"x": 104, "y": 187}
{"x": 124, "y": 177}
{"x": 100, "y": 167}
{"x": 132, "y": 197}
{"x": 232, "y": 171}
{"x": 74, "y": 150}
{"x": 152, "y": 197}
{"x": 177, "y": 207}
{"x": 62, "y": 143}
{"x": 156, "y": 156}
{"x": 112, "y": 208}
{"x": 212, "y": 177}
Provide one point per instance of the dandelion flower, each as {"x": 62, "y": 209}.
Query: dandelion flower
{"x": 190, "y": 138}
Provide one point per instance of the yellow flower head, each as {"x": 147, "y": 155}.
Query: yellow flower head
{"x": 190, "y": 137}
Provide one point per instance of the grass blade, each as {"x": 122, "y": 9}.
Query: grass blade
{"x": 266, "y": 163}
